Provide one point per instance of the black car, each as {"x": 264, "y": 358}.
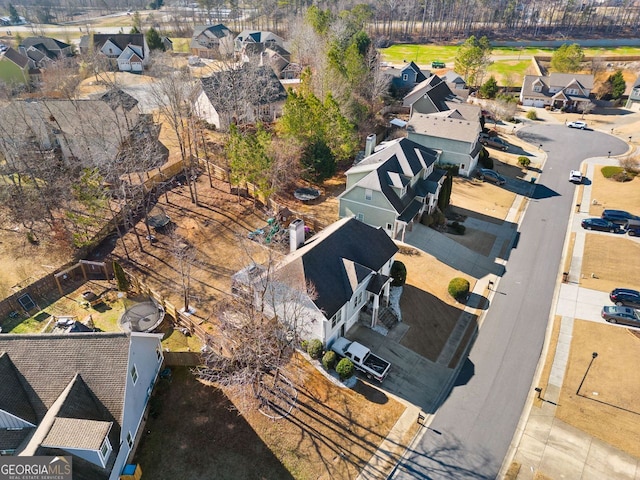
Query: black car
{"x": 625, "y": 297}
{"x": 618, "y": 216}
{"x": 599, "y": 224}
{"x": 625, "y": 315}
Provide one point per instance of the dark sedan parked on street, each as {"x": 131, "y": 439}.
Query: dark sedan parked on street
{"x": 625, "y": 297}
{"x": 618, "y": 216}
{"x": 624, "y": 315}
{"x": 600, "y": 224}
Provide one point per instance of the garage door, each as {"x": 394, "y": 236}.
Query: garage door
{"x": 538, "y": 103}
{"x": 527, "y": 103}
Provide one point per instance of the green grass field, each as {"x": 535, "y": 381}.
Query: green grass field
{"x": 509, "y": 70}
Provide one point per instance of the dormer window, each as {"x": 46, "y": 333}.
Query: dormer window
{"x": 105, "y": 450}
{"x": 403, "y": 192}
{"x": 537, "y": 88}
{"x": 405, "y": 77}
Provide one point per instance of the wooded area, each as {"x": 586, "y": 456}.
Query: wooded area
{"x": 387, "y": 20}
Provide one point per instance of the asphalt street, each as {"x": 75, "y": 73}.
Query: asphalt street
{"x": 471, "y": 432}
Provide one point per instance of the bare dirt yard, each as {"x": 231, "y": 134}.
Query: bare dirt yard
{"x": 607, "y": 404}
{"x": 330, "y": 434}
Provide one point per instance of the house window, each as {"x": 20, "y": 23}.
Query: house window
{"x": 403, "y": 192}
{"x": 129, "y": 440}
{"x": 134, "y": 374}
{"x": 405, "y": 77}
{"x": 368, "y": 194}
{"x": 537, "y": 88}
{"x": 389, "y": 226}
{"x": 105, "y": 449}
{"x": 357, "y": 301}
{"x": 360, "y": 217}
{"x": 335, "y": 320}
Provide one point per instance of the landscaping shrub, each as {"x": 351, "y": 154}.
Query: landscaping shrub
{"x": 532, "y": 115}
{"x": 459, "y": 288}
{"x": 610, "y": 171}
{"x": 457, "y": 228}
{"x": 304, "y": 345}
{"x": 345, "y": 368}
{"x": 622, "y": 177}
{"x": 484, "y": 159}
{"x": 524, "y": 161}
{"x": 439, "y": 218}
{"x": 329, "y": 360}
{"x": 121, "y": 277}
{"x": 314, "y": 348}
{"x": 426, "y": 219}
{"x": 398, "y": 273}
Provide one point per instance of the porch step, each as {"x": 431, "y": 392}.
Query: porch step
{"x": 387, "y": 318}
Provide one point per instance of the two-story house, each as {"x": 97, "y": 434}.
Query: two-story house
{"x": 442, "y": 120}
{"x": 405, "y": 78}
{"x": 570, "y": 91}
{"x": 257, "y": 39}
{"x": 242, "y": 95}
{"x": 340, "y": 272}
{"x": 393, "y": 187}
{"x": 130, "y": 52}
{"x": 633, "y": 103}
{"x": 82, "y": 395}
{"x": 212, "y": 41}
{"x": 42, "y": 51}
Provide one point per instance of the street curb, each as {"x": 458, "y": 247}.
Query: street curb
{"x": 524, "y": 418}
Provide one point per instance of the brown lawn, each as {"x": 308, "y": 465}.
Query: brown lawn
{"x": 613, "y": 259}
{"x": 426, "y": 305}
{"x": 607, "y": 406}
{"x": 611, "y": 194}
{"x": 330, "y": 434}
{"x": 477, "y": 198}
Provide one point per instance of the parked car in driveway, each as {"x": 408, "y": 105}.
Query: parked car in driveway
{"x": 575, "y": 176}
{"x": 489, "y": 175}
{"x": 599, "y": 224}
{"x": 577, "y": 124}
{"x": 494, "y": 142}
{"x": 618, "y": 216}
{"x": 625, "y": 297}
{"x": 624, "y": 315}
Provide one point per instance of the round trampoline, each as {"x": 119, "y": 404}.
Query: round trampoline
{"x": 142, "y": 317}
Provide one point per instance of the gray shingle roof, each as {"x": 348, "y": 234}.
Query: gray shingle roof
{"x": 51, "y": 44}
{"x": 13, "y": 396}
{"x": 16, "y": 57}
{"x": 47, "y": 363}
{"x": 76, "y": 433}
{"x": 321, "y": 260}
{"x": 445, "y": 127}
{"x": 119, "y": 39}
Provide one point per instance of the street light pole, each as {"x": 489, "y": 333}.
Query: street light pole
{"x": 593, "y": 357}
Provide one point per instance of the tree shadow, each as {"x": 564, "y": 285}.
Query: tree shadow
{"x": 372, "y": 394}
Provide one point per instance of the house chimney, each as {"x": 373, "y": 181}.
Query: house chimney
{"x": 296, "y": 234}
{"x": 370, "y": 145}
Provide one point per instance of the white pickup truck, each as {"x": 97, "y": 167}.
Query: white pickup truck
{"x": 362, "y": 358}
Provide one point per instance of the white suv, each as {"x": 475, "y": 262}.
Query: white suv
{"x": 575, "y": 176}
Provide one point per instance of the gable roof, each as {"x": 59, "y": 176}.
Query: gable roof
{"x": 208, "y": 36}
{"x": 336, "y": 259}
{"x": 393, "y": 167}
{"x": 16, "y": 57}
{"x": 263, "y": 88}
{"x": 447, "y": 125}
{"x": 561, "y": 81}
{"x": 121, "y": 40}
{"x": 50, "y": 44}
{"x": 257, "y": 36}
{"x": 47, "y": 363}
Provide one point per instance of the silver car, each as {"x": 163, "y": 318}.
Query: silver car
{"x": 624, "y": 315}
{"x": 489, "y": 175}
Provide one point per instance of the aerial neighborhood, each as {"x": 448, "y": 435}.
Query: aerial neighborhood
{"x": 346, "y": 241}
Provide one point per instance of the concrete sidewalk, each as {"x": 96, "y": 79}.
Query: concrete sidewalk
{"x": 544, "y": 444}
